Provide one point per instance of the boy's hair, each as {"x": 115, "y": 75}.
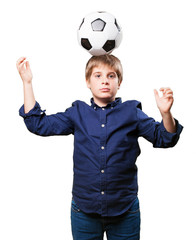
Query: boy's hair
{"x": 109, "y": 60}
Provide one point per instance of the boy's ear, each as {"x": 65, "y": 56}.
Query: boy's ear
{"x": 88, "y": 83}
{"x": 119, "y": 84}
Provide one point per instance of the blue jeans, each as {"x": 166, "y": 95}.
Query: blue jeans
{"x": 92, "y": 226}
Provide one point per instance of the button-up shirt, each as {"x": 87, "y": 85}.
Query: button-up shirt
{"x": 105, "y": 149}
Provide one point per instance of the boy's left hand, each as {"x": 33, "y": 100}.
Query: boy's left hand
{"x": 165, "y": 102}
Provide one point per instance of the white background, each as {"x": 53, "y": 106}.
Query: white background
{"x": 36, "y": 173}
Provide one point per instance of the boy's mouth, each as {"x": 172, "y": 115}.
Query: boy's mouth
{"x": 104, "y": 89}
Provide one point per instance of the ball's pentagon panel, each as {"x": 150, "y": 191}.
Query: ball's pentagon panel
{"x": 98, "y": 25}
{"x": 109, "y": 45}
{"x": 86, "y": 44}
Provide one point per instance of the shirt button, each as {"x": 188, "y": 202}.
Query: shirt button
{"x": 103, "y": 125}
{"x": 102, "y": 193}
{"x": 94, "y": 107}
{"x": 102, "y": 171}
{"x": 103, "y": 108}
{"x": 112, "y": 107}
{"x": 102, "y": 147}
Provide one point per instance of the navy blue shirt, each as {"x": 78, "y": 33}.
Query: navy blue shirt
{"x": 105, "y": 149}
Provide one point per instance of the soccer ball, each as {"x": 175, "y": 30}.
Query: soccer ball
{"x": 99, "y": 33}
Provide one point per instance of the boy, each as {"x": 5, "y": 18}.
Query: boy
{"x": 105, "y": 148}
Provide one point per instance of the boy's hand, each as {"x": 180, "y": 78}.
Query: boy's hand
{"x": 24, "y": 70}
{"x": 165, "y": 102}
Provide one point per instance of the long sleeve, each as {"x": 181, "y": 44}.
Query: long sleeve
{"x": 155, "y": 132}
{"x": 41, "y": 124}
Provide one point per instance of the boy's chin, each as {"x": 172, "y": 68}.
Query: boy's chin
{"x": 105, "y": 95}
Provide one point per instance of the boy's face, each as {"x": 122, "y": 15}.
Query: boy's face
{"x": 103, "y": 84}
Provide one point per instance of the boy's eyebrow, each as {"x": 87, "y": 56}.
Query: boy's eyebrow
{"x": 112, "y": 72}
{"x": 107, "y": 73}
{"x": 96, "y": 72}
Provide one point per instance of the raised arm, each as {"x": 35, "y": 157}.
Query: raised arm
{"x": 35, "y": 119}
{"x": 24, "y": 70}
{"x": 164, "y": 104}
{"x": 165, "y": 134}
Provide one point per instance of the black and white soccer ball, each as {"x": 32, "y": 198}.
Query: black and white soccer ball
{"x": 99, "y": 33}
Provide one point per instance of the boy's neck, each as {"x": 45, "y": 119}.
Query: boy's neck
{"x": 103, "y": 102}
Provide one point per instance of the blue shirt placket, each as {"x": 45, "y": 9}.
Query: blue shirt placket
{"x": 103, "y": 170}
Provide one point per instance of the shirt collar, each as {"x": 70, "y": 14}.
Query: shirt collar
{"x": 112, "y": 104}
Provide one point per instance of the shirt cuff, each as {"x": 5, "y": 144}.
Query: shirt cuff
{"x": 179, "y": 128}
{"x": 36, "y": 110}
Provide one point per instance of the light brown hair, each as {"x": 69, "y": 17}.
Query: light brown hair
{"x": 108, "y": 60}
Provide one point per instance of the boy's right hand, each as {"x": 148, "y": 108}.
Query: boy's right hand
{"x": 24, "y": 70}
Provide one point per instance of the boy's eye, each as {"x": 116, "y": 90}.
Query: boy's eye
{"x": 112, "y": 76}
{"x": 98, "y": 75}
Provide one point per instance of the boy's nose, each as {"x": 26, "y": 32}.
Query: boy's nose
{"x": 105, "y": 80}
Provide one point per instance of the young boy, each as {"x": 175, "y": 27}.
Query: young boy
{"x": 105, "y": 148}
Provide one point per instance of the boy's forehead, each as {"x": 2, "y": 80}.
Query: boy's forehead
{"x": 103, "y": 67}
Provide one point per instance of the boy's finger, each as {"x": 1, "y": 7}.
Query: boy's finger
{"x": 27, "y": 65}
{"x": 21, "y": 67}
{"x": 169, "y": 92}
{"x": 161, "y": 89}
{"x": 20, "y": 60}
{"x": 164, "y": 89}
{"x": 20, "y": 63}
{"x": 168, "y": 96}
{"x": 156, "y": 94}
